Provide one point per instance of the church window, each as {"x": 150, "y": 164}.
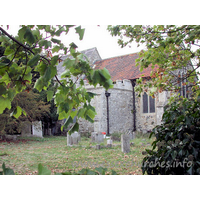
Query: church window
{"x": 148, "y": 104}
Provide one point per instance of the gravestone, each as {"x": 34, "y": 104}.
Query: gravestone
{"x": 74, "y": 138}
{"x": 26, "y": 129}
{"x": 109, "y": 143}
{"x": 97, "y": 137}
{"x": 125, "y": 143}
{"x": 37, "y": 129}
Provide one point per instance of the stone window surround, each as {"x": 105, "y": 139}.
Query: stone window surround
{"x": 141, "y": 107}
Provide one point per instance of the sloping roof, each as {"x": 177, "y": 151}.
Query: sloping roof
{"x": 92, "y": 54}
{"x": 123, "y": 67}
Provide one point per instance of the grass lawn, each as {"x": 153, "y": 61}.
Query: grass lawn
{"x": 53, "y": 153}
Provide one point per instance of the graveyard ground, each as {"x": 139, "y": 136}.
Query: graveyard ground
{"x": 52, "y": 152}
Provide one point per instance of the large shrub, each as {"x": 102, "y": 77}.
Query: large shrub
{"x": 176, "y": 149}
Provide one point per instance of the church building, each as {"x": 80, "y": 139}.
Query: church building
{"x": 120, "y": 109}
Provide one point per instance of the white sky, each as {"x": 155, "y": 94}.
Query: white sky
{"x": 94, "y": 36}
{"x": 98, "y": 36}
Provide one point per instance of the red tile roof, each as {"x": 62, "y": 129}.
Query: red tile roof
{"x": 123, "y": 67}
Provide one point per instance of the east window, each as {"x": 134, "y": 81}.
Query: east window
{"x": 148, "y": 104}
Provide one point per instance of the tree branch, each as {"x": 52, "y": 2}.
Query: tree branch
{"x": 58, "y": 80}
{"x": 19, "y": 43}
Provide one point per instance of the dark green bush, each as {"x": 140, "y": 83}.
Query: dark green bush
{"x": 176, "y": 149}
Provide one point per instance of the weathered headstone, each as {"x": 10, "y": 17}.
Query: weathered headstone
{"x": 93, "y": 134}
{"x": 125, "y": 143}
{"x": 37, "y": 128}
{"x": 131, "y": 135}
{"x": 97, "y": 137}
{"x": 74, "y": 138}
{"x": 69, "y": 140}
{"x": 26, "y": 129}
{"x": 109, "y": 143}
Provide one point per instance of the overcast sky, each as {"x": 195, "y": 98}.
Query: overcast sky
{"x": 99, "y": 37}
{"x": 95, "y": 36}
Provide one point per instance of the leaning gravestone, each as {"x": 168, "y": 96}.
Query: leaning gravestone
{"x": 37, "y": 128}
{"x": 125, "y": 143}
{"x": 74, "y": 138}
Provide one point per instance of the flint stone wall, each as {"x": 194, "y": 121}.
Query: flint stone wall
{"x": 120, "y": 109}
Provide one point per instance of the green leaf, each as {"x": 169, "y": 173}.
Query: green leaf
{"x": 55, "y": 41}
{"x": 54, "y": 60}
{"x": 7, "y": 171}
{"x": 43, "y": 170}
{"x": 68, "y": 63}
{"x": 47, "y": 74}
{"x": 91, "y": 113}
{"x": 21, "y": 33}
{"x": 9, "y": 51}
{"x": 81, "y": 112}
{"x": 34, "y": 60}
{"x": 29, "y": 36}
{"x": 68, "y": 122}
{"x": 4, "y": 103}
{"x": 74, "y": 128}
{"x": 49, "y": 95}
{"x": 113, "y": 172}
{"x": 65, "y": 74}
{"x": 53, "y": 71}
{"x": 55, "y": 49}
{"x": 24, "y": 112}
{"x": 80, "y": 32}
{"x": 101, "y": 170}
{"x": 96, "y": 78}
{"x": 2, "y": 89}
{"x": 39, "y": 84}
{"x": 17, "y": 112}
{"x": 105, "y": 73}
{"x": 89, "y": 119}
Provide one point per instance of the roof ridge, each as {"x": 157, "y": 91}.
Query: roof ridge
{"x": 118, "y": 56}
{"x": 67, "y": 55}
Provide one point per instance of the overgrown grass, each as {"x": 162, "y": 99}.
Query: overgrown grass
{"x": 54, "y": 153}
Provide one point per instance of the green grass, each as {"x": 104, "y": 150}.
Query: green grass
{"x": 54, "y": 154}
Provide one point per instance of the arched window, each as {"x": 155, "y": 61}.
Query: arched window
{"x": 148, "y": 104}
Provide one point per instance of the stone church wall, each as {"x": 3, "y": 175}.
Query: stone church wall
{"x": 120, "y": 109}
{"x": 145, "y": 122}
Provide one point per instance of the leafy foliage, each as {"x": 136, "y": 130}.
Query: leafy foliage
{"x": 177, "y": 145}
{"x": 30, "y": 54}
{"x": 6, "y": 171}
{"x": 169, "y": 48}
{"x": 26, "y": 107}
